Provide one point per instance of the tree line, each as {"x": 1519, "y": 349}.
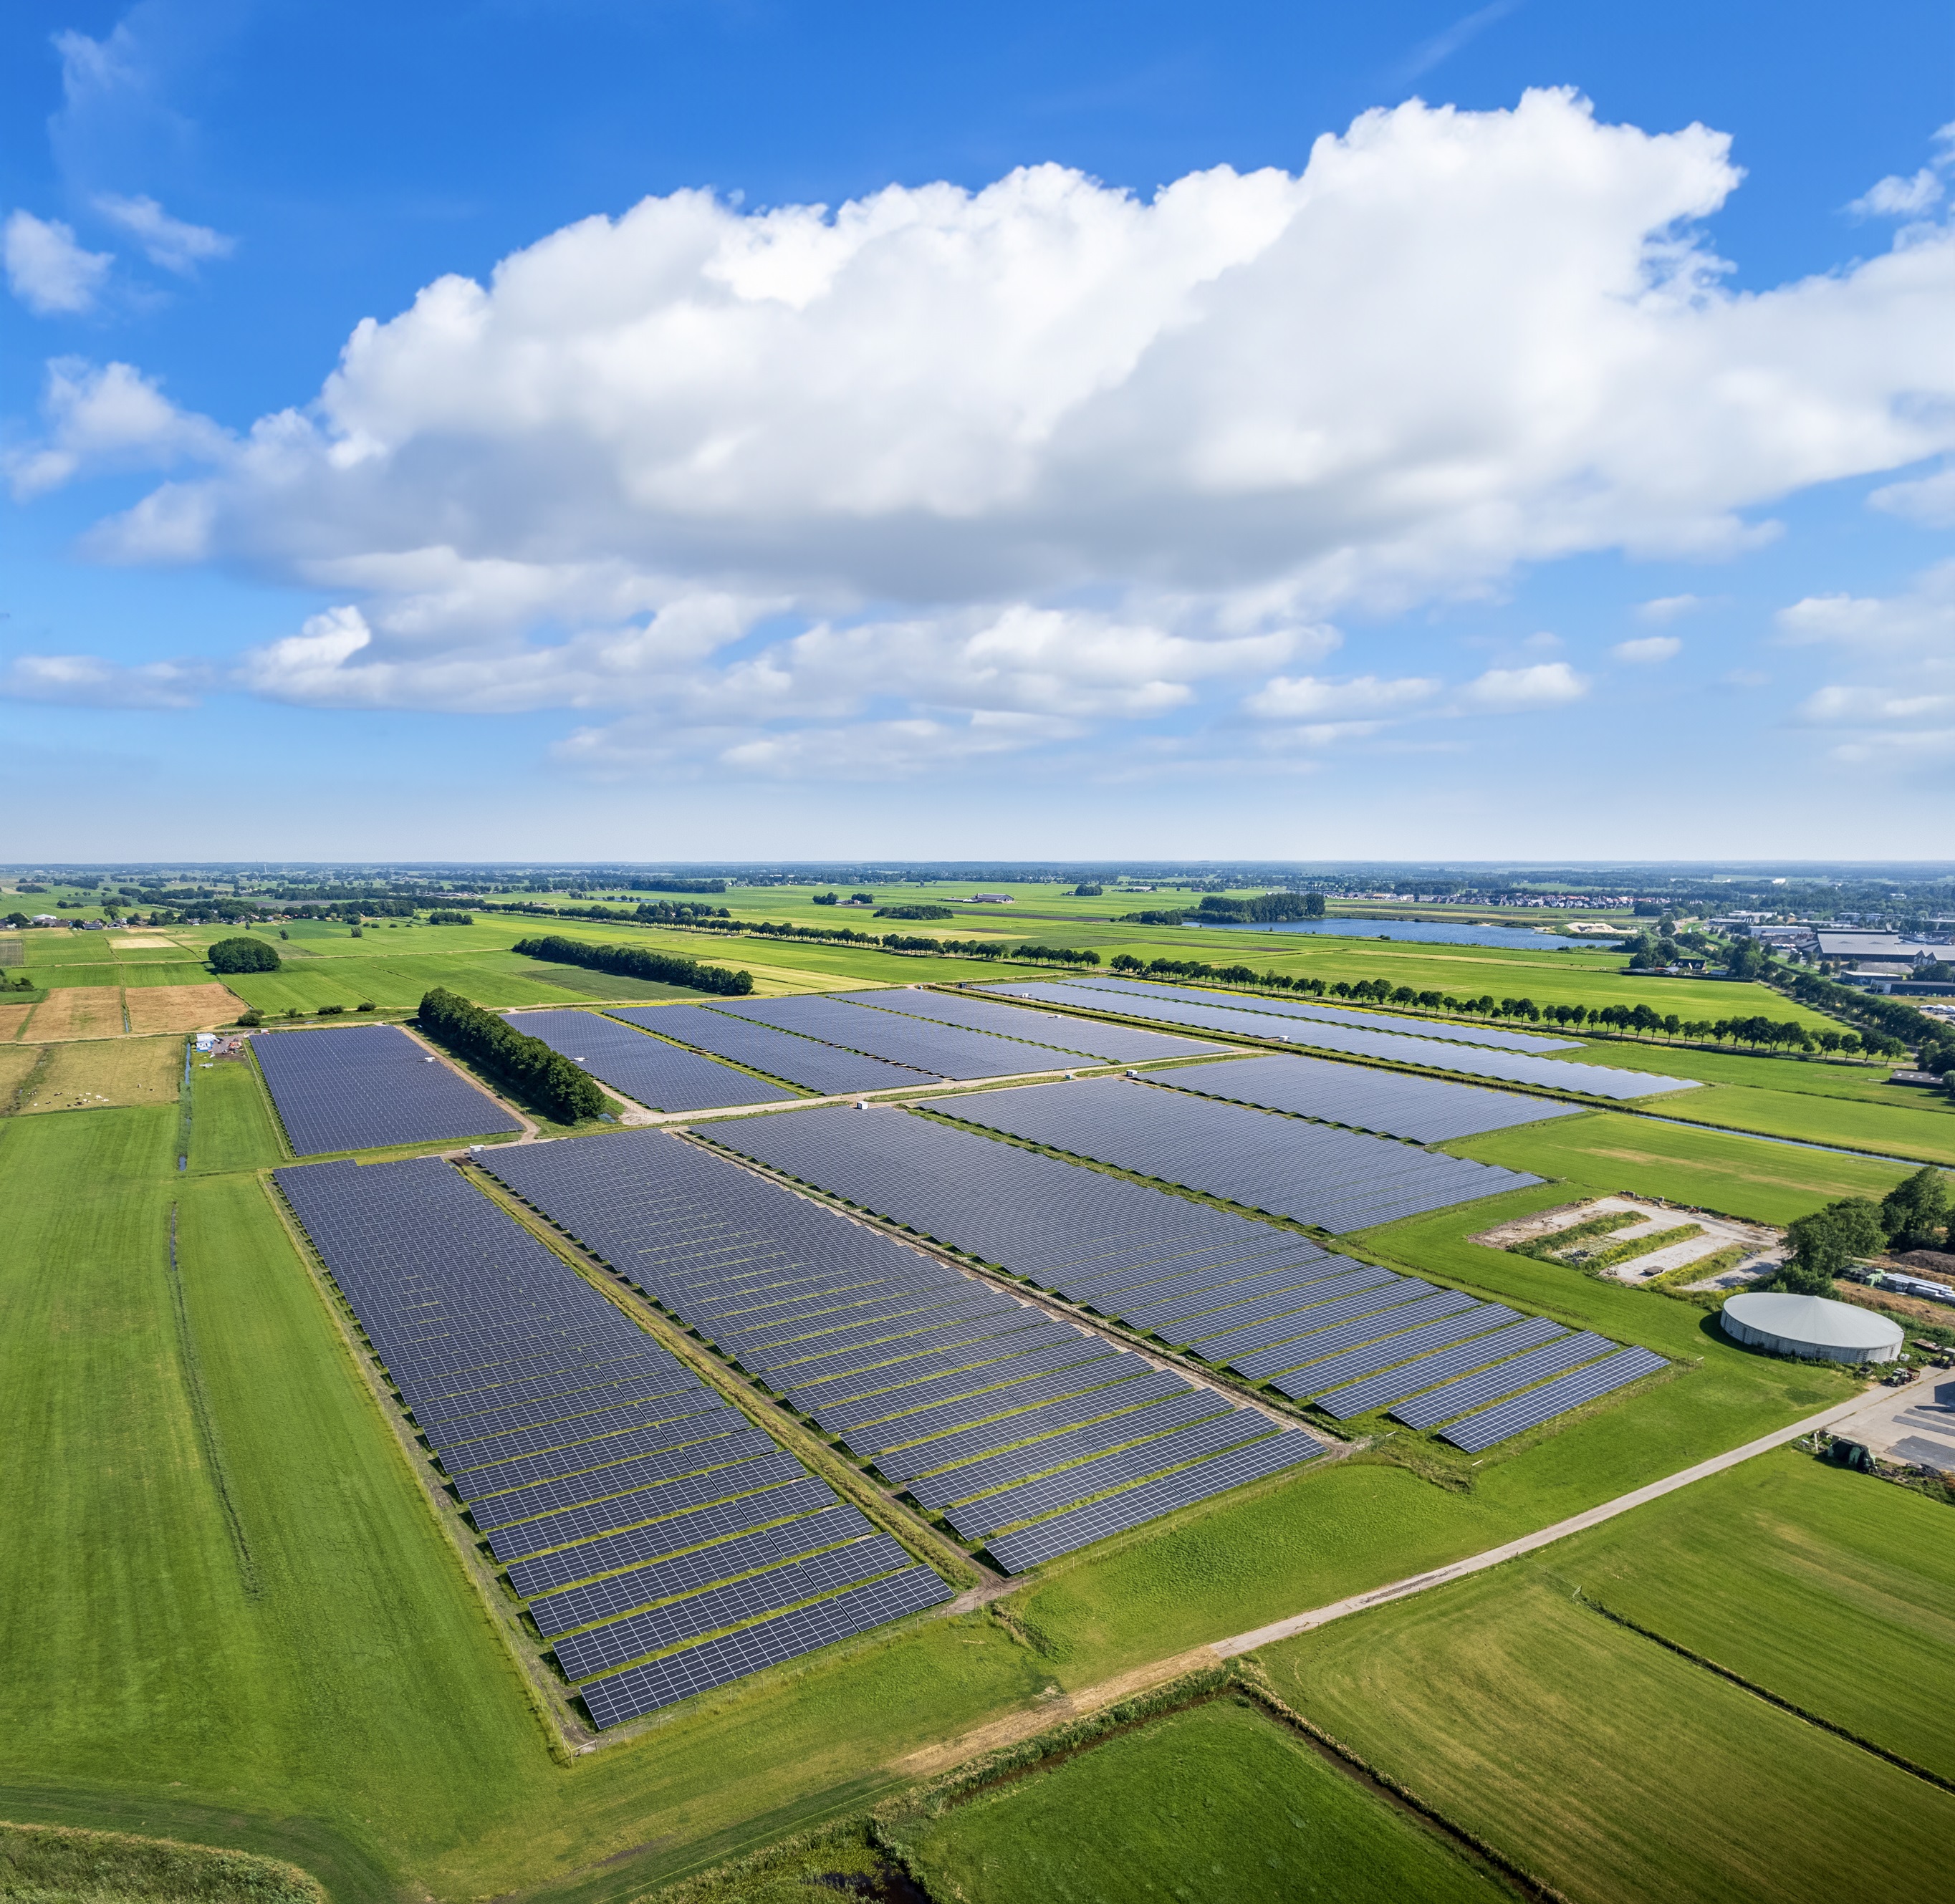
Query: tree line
{"x": 636, "y": 962}
{"x": 546, "y": 1077}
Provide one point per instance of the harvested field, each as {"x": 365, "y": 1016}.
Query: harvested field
{"x": 12, "y": 1016}
{"x": 146, "y": 942}
{"x": 94, "y": 1074}
{"x": 77, "y": 1011}
{"x": 182, "y": 1008}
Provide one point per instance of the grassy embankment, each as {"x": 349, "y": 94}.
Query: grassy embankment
{"x": 1610, "y": 1767}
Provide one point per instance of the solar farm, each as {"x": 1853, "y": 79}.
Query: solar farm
{"x": 370, "y": 1086}
{"x": 941, "y": 1365}
{"x": 1509, "y": 1056}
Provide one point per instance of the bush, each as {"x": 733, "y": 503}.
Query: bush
{"x": 242, "y": 955}
{"x": 546, "y": 1078}
{"x": 1088, "y": 891}
{"x": 331, "y": 1011}
{"x": 366, "y": 1006}
{"x": 451, "y": 918}
{"x": 914, "y": 912}
{"x": 250, "y": 1017}
{"x": 634, "y": 961}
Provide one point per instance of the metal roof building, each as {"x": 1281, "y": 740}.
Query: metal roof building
{"x": 1812, "y": 1327}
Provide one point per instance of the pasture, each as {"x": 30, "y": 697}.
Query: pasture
{"x": 1609, "y": 1767}
{"x": 1712, "y": 1169}
{"x": 1218, "y": 1800}
{"x": 97, "y": 1073}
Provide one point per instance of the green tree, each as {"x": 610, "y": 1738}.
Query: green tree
{"x": 1823, "y": 1243}
{"x": 1914, "y": 1213}
{"x": 243, "y": 955}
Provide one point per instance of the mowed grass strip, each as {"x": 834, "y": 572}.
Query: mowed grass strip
{"x": 1828, "y": 1589}
{"x": 1219, "y": 1800}
{"x": 1604, "y": 1764}
{"x": 1922, "y": 1125}
{"x": 101, "y": 1073}
{"x": 231, "y": 1126}
{"x": 1711, "y": 1169}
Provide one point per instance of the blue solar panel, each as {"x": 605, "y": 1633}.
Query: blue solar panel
{"x": 361, "y": 1088}
{"x": 780, "y": 1054}
{"x": 1332, "y": 1179}
{"x": 1071, "y": 1037}
{"x": 1537, "y": 1405}
{"x": 1368, "y": 1357}
{"x": 938, "y": 1050}
{"x": 1434, "y": 1405}
{"x": 1394, "y": 1384}
{"x": 665, "y": 1077}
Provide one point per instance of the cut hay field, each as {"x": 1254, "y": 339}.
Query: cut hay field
{"x": 1923, "y": 1127}
{"x": 99, "y": 1073}
{"x": 77, "y": 1011}
{"x": 1216, "y": 1801}
{"x": 18, "y": 1063}
{"x": 1709, "y": 1168}
{"x": 201, "y": 1007}
{"x": 1609, "y": 1767}
{"x": 13, "y": 1018}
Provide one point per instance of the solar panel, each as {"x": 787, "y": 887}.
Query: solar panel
{"x": 940, "y": 1050}
{"x": 1306, "y": 1026}
{"x": 618, "y": 1594}
{"x": 1332, "y": 1179}
{"x": 1367, "y": 1359}
{"x": 1046, "y": 1493}
{"x": 362, "y": 1087}
{"x": 663, "y": 1076}
{"x": 1569, "y": 1391}
{"x": 1080, "y": 1527}
{"x": 910, "y": 1392}
{"x": 476, "y": 1310}
{"x": 658, "y": 1629}
{"x": 780, "y": 1054}
{"x": 1424, "y": 1110}
{"x": 641, "y": 1689}
{"x": 1434, "y": 1405}
{"x": 1074, "y": 1037}
{"x": 1395, "y": 1383}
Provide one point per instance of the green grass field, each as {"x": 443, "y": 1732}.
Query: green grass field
{"x": 1610, "y": 1768}
{"x": 1216, "y": 1801}
{"x": 1710, "y": 1169}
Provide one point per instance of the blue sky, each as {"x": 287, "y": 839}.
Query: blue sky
{"x": 1307, "y": 431}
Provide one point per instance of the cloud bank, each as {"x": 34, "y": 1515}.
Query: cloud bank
{"x": 935, "y": 470}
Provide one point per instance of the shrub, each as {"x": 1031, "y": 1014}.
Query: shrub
{"x": 451, "y": 918}
{"x": 546, "y": 1078}
{"x": 242, "y": 955}
{"x": 366, "y": 1006}
{"x": 331, "y": 1011}
{"x": 250, "y": 1017}
{"x": 914, "y": 912}
{"x": 634, "y": 961}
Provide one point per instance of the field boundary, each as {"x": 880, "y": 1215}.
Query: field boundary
{"x": 1771, "y": 1698}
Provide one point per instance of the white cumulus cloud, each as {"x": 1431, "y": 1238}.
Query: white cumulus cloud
{"x": 87, "y": 681}
{"x": 107, "y": 416}
{"x": 47, "y": 268}
{"x": 1896, "y": 197}
{"x": 1049, "y": 451}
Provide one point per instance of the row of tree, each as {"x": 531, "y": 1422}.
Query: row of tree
{"x": 546, "y": 1078}
{"x": 638, "y": 962}
{"x": 1914, "y": 1215}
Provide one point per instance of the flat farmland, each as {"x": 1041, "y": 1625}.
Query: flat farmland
{"x": 177, "y": 970}
{"x": 18, "y": 1063}
{"x": 13, "y": 1018}
{"x": 1218, "y": 1801}
{"x": 397, "y": 983}
{"x": 93, "y": 1075}
{"x": 1712, "y": 1169}
{"x": 1818, "y": 1077}
{"x": 1924, "y": 1128}
{"x": 1828, "y": 1588}
{"x": 77, "y": 1011}
{"x": 1604, "y": 1765}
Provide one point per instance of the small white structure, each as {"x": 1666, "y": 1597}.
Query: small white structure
{"x": 1812, "y": 1327}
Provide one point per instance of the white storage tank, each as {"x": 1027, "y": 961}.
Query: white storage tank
{"x": 1814, "y": 1327}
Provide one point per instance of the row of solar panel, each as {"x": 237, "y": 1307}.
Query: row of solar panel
{"x": 585, "y": 1452}
{"x": 910, "y": 1363}
{"x": 363, "y": 1088}
{"x": 1217, "y": 1012}
{"x": 1332, "y": 1179}
{"x": 1348, "y": 1337}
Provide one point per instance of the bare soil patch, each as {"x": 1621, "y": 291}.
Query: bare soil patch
{"x": 182, "y": 1008}
{"x": 95, "y": 1074}
{"x": 1761, "y": 1245}
{"x": 77, "y": 1011}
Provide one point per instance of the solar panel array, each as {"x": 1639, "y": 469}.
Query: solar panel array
{"x": 1429, "y": 1051}
{"x": 780, "y": 1054}
{"x": 1495, "y": 1038}
{"x": 1266, "y": 1303}
{"x": 663, "y": 1076}
{"x": 1570, "y": 1391}
{"x": 647, "y": 1521}
{"x": 910, "y": 1363}
{"x": 1112, "y": 1043}
{"x": 940, "y": 1050}
{"x": 1424, "y": 1110}
{"x": 1332, "y": 1179}
{"x": 365, "y": 1086}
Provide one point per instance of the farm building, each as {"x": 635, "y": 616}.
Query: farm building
{"x": 1811, "y": 1327}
